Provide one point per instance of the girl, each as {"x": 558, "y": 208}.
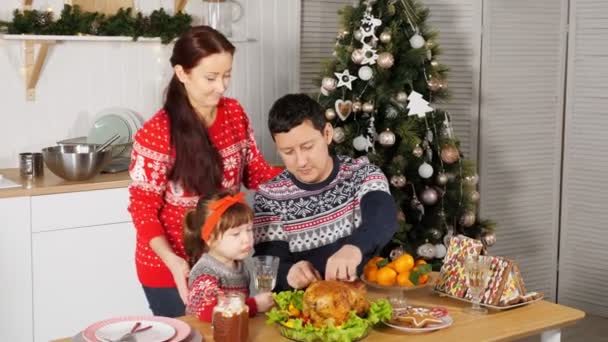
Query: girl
{"x": 218, "y": 235}
{"x": 199, "y": 143}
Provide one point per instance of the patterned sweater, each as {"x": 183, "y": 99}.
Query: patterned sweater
{"x": 157, "y": 205}
{"x": 210, "y": 278}
{"x": 297, "y": 221}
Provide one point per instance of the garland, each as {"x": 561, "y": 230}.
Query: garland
{"x": 73, "y": 21}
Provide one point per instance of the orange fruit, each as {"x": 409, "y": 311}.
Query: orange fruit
{"x": 387, "y": 276}
{"x": 391, "y": 265}
{"x": 404, "y": 263}
{"x": 372, "y": 274}
{"x": 403, "y": 279}
{"x": 420, "y": 262}
{"x": 372, "y": 262}
{"x": 423, "y": 279}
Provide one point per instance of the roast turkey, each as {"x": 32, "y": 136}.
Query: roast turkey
{"x": 330, "y": 301}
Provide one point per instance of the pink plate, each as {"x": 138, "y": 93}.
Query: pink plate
{"x": 182, "y": 329}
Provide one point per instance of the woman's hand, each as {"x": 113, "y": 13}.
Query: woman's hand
{"x": 180, "y": 270}
{"x": 264, "y": 301}
{"x": 301, "y": 274}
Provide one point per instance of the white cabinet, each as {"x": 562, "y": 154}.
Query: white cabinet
{"x": 15, "y": 270}
{"x": 82, "y": 275}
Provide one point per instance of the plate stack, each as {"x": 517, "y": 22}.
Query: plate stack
{"x": 162, "y": 329}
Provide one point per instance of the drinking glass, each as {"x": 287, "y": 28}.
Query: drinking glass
{"x": 477, "y": 270}
{"x": 265, "y": 268}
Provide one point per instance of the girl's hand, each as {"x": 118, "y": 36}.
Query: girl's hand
{"x": 180, "y": 270}
{"x": 264, "y": 301}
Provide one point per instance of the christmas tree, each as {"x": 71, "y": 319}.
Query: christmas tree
{"x": 382, "y": 92}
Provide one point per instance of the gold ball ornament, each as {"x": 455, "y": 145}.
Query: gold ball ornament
{"x": 357, "y": 56}
{"x": 357, "y": 106}
{"x": 417, "y": 151}
{"x": 386, "y": 60}
{"x": 385, "y": 37}
{"x": 329, "y": 83}
{"x": 387, "y": 138}
{"x": 398, "y": 181}
{"x": 434, "y": 63}
{"x": 368, "y": 107}
{"x": 339, "y": 135}
{"x": 488, "y": 239}
{"x": 471, "y": 180}
{"x": 467, "y": 219}
{"x": 449, "y": 154}
{"x": 474, "y": 196}
{"x": 330, "y": 114}
{"x": 434, "y": 84}
{"x": 358, "y": 35}
{"x": 429, "y": 196}
{"x": 401, "y": 97}
{"x": 442, "y": 178}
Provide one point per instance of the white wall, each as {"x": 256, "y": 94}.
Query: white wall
{"x": 79, "y": 79}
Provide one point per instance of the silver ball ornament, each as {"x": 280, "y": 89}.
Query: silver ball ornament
{"x": 386, "y": 60}
{"x": 488, "y": 239}
{"x": 417, "y": 41}
{"x": 442, "y": 178}
{"x": 360, "y": 143}
{"x": 365, "y": 73}
{"x": 398, "y": 181}
{"x": 434, "y": 234}
{"x": 368, "y": 107}
{"x": 401, "y": 97}
{"x": 440, "y": 250}
{"x": 385, "y": 37}
{"x": 429, "y": 196}
{"x": 324, "y": 91}
{"x": 467, "y": 219}
{"x": 339, "y": 135}
{"x": 387, "y": 138}
{"x": 426, "y": 251}
{"x": 357, "y": 56}
{"x": 417, "y": 151}
{"x": 391, "y": 112}
{"x": 396, "y": 252}
{"x": 425, "y": 170}
{"x": 358, "y": 35}
{"x": 329, "y": 83}
{"x": 330, "y": 114}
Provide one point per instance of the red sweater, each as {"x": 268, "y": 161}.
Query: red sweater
{"x": 157, "y": 205}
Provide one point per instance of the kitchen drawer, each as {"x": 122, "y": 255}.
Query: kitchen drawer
{"x": 79, "y": 209}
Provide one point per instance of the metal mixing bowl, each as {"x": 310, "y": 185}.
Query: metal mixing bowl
{"x": 76, "y": 162}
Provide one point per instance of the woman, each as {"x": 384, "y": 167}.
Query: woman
{"x": 199, "y": 143}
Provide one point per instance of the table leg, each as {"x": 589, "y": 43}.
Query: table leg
{"x": 551, "y": 336}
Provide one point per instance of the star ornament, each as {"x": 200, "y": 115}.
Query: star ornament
{"x": 370, "y": 55}
{"x": 345, "y": 79}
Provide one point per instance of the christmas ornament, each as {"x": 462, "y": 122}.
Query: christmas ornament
{"x": 385, "y": 37}
{"x": 368, "y": 107}
{"x": 387, "y": 138}
{"x": 369, "y": 23}
{"x": 370, "y": 55}
{"x": 329, "y": 83}
{"x": 488, "y": 239}
{"x": 430, "y": 44}
{"x": 426, "y": 251}
{"x": 357, "y": 56}
{"x": 474, "y": 196}
{"x": 434, "y": 84}
{"x": 339, "y": 135}
{"x": 442, "y": 178}
{"x": 425, "y": 170}
{"x": 345, "y": 79}
{"x": 417, "y": 41}
{"x": 343, "y": 108}
{"x": 434, "y": 63}
{"x": 396, "y": 252}
{"x": 324, "y": 91}
{"x": 365, "y": 73}
{"x": 418, "y": 105}
{"x": 449, "y": 154}
{"x": 440, "y": 251}
{"x": 467, "y": 219}
{"x": 330, "y": 114}
{"x": 471, "y": 180}
{"x": 443, "y": 83}
{"x": 358, "y": 35}
{"x": 386, "y": 60}
{"x": 391, "y": 112}
{"x": 417, "y": 151}
{"x": 357, "y": 106}
{"x": 398, "y": 181}
{"x": 360, "y": 143}
{"x": 448, "y": 236}
{"x": 434, "y": 234}
{"x": 429, "y": 196}
{"x": 401, "y": 97}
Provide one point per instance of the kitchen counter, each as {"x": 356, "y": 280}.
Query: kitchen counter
{"x": 50, "y": 183}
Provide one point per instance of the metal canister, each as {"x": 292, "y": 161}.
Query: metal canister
{"x": 30, "y": 164}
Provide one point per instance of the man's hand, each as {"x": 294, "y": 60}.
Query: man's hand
{"x": 343, "y": 264}
{"x": 301, "y": 274}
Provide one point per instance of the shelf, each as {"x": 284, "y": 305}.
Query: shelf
{"x": 85, "y": 38}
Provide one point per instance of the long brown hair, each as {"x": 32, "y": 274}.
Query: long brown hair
{"x": 198, "y": 165}
{"x": 236, "y": 215}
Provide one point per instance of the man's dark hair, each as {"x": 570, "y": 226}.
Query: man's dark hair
{"x": 291, "y": 110}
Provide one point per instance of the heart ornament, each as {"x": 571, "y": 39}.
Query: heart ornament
{"x": 344, "y": 108}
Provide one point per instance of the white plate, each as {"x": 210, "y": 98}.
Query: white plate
{"x": 106, "y": 126}
{"x": 446, "y": 322}
{"x": 159, "y": 332}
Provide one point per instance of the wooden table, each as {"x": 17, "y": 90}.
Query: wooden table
{"x": 542, "y": 318}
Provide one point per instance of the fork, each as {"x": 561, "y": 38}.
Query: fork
{"x": 129, "y": 337}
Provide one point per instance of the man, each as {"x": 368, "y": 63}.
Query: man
{"x": 324, "y": 215}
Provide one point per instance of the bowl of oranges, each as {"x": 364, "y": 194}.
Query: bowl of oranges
{"x": 404, "y": 272}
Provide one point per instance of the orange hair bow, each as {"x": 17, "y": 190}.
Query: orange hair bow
{"x": 219, "y": 207}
